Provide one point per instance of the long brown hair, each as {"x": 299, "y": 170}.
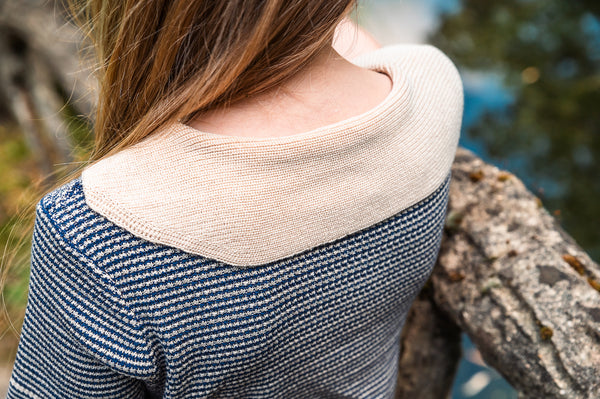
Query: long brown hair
{"x": 161, "y": 61}
{"x": 165, "y": 60}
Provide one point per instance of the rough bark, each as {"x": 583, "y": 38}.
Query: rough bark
{"x": 430, "y": 351}
{"x": 525, "y": 293}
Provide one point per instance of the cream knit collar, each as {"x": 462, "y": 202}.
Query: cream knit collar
{"x": 247, "y": 201}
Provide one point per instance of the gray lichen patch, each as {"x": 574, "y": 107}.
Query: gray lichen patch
{"x": 550, "y": 275}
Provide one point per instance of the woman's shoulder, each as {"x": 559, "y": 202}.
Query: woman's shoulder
{"x": 60, "y": 201}
{"x": 66, "y": 222}
{"x": 416, "y": 60}
{"x": 434, "y": 90}
{"x": 407, "y": 52}
{"x": 58, "y": 215}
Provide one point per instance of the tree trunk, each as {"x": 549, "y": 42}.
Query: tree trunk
{"x": 430, "y": 351}
{"x": 525, "y": 293}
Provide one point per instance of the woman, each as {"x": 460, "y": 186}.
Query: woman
{"x": 258, "y": 214}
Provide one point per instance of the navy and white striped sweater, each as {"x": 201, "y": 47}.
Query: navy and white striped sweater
{"x": 112, "y": 314}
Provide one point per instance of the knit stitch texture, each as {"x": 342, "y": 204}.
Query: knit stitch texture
{"x": 115, "y": 313}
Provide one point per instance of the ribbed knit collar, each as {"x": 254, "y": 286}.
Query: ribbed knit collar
{"x": 386, "y": 117}
{"x": 247, "y": 201}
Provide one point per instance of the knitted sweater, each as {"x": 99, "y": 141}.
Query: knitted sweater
{"x": 197, "y": 265}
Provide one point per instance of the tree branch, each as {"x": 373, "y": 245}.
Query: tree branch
{"x": 525, "y": 293}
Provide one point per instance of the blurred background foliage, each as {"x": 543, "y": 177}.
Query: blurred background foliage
{"x": 546, "y": 55}
{"x": 531, "y": 73}
{"x": 17, "y": 176}
{"x": 531, "y": 70}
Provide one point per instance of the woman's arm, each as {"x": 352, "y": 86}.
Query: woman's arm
{"x": 78, "y": 340}
{"x": 351, "y": 40}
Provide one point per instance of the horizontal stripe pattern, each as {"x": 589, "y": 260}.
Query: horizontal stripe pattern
{"x": 112, "y": 315}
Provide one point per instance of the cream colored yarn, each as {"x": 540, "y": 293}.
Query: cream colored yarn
{"x": 248, "y": 201}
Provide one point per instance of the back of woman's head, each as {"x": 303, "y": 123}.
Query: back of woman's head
{"x": 165, "y": 60}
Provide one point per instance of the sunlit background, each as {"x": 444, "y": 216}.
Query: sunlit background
{"x": 531, "y": 74}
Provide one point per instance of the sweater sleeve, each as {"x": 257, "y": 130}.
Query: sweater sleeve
{"x": 78, "y": 340}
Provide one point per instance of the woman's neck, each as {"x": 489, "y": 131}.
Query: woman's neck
{"x": 328, "y": 90}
